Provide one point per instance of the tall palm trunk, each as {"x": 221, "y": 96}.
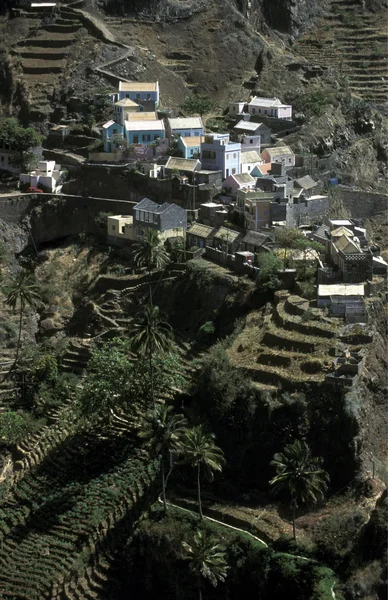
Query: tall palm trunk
{"x": 151, "y": 367}
{"x": 164, "y": 487}
{"x": 199, "y": 491}
{"x": 20, "y": 332}
{"x": 293, "y": 519}
{"x": 199, "y": 591}
{"x": 150, "y": 286}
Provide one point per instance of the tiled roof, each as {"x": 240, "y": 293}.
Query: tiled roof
{"x": 138, "y": 86}
{"x": 226, "y": 234}
{"x": 250, "y": 157}
{"x": 255, "y": 238}
{"x": 200, "y": 230}
{"x": 108, "y": 124}
{"x": 276, "y": 150}
{"x": 264, "y": 169}
{"x": 247, "y": 126}
{"x": 340, "y": 231}
{"x": 347, "y": 246}
{"x": 186, "y": 123}
{"x": 269, "y": 102}
{"x": 182, "y": 164}
{"x": 154, "y": 125}
{"x": 193, "y": 140}
{"x": 126, "y": 102}
{"x": 141, "y": 116}
{"x": 242, "y": 178}
{"x": 306, "y": 182}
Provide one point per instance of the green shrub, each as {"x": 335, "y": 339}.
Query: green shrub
{"x": 207, "y": 328}
{"x": 16, "y": 425}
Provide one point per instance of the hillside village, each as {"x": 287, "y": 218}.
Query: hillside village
{"x": 193, "y": 301}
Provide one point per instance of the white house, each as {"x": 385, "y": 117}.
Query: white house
{"x": 270, "y": 107}
{"x": 236, "y": 108}
{"x": 250, "y": 160}
{"x": 46, "y": 176}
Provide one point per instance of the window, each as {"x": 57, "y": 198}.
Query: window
{"x": 227, "y": 172}
{"x": 146, "y": 137}
{"x": 127, "y": 95}
{"x": 234, "y": 155}
{"x": 137, "y": 215}
{"x": 251, "y": 141}
{"x": 227, "y": 157}
{"x": 135, "y": 139}
{"x": 156, "y": 137}
{"x": 289, "y": 161}
{"x": 137, "y": 96}
{"x": 249, "y": 167}
{"x": 155, "y": 219}
{"x": 234, "y": 109}
{"x": 123, "y": 229}
{"x": 253, "y": 110}
{"x": 233, "y": 171}
{"x": 114, "y": 131}
{"x": 192, "y": 151}
{"x": 148, "y": 96}
{"x": 196, "y": 133}
{"x": 113, "y": 227}
{"x": 146, "y": 217}
{"x": 141, "y": 215}
{"x": 265, "y": 112}
{"x": 209, "y": 154}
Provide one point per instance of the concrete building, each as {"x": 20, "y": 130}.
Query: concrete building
{"x": 109, "y": 130}
{"x": 220, "y": 154}
{"x": 255, "y": 206}
{"x": 46, "y": 177}
{"x": 236, "y": 108}
{"x": 251, "y": 128}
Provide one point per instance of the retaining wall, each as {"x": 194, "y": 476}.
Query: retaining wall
{"x": 50, "y": 217}
{"x": 363, "y": 205}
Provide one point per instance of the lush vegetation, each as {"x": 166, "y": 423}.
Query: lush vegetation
{"x": 21, "y": 141}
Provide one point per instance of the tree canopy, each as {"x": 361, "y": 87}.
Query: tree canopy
{"x": 21, "y": 141}
{"x": 197, "y": 104}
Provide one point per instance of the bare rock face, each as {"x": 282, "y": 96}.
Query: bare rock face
{"x": 290, "y": 16}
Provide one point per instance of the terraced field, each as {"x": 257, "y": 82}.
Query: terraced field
{"x": 60, "y": 526}
{"x": 286, "y": 347}
{"x": 46, "y": 55}
{"x": 353, "y": 43}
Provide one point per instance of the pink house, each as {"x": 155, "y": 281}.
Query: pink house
{"x": 238, "y": 182}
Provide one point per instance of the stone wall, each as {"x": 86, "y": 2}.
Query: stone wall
{"x": 362, "y": 205}
{"x": 305, "y": 212}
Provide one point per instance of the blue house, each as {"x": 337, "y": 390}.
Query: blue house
{"x": 190, "y": 146}
{"x": 143, "y": 93}
{"x": 218, "y": 153}
{"x": 109, "y": 130}
{"x": 185, "y": 127}
{"x": 144, "y": 132}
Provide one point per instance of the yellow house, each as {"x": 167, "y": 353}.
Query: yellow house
{"x": 120, "y": 227}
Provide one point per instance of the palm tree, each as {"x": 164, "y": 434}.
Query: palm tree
{"x": 207, "y": 559}
{"x": 151, "y": 333}
{"x": 199, "y": 449}
{"x": 149, "y": 253}
{"x": 22, "y": 290}
{"x": 299, "y": 474}
{"x": 163, "y": 430}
